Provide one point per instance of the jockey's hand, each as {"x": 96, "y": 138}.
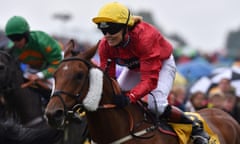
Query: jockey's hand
{"x": 33, "y": 77}
{"x": 121, "y": 100}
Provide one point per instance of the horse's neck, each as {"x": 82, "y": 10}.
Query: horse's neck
{"x": 24, "y": 101}
{"x": 109, "y": 124}
{"x": 16, "y": 75}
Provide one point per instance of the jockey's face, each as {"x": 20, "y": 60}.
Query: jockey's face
{"x": 20, "y": 43}
{"x": 114, "y": 39}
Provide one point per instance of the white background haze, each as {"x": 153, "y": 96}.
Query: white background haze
{"x": 204, "y": 24}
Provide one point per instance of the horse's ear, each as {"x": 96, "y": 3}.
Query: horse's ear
{"x": 90, "y": 52}
{"x": 69, "y": 48}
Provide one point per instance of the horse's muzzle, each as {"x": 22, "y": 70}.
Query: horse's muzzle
{"x": 55, "y": 118}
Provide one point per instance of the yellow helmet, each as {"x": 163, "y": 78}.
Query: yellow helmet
{"x": 114, "y": 12}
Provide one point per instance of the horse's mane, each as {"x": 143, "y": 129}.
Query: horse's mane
{"x": 10, "y": 78}
{"x": 11, "y": 74}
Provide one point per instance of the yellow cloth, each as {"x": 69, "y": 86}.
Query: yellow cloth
{"x": 184, "y": 130}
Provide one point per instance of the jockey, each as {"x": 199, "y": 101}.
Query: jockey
{"x": 149, "y": 66}
{"x": 38, "y": 50}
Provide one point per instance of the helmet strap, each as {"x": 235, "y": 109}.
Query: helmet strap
{"x": 124, "y": 42}
{"x": 26, "y": 36}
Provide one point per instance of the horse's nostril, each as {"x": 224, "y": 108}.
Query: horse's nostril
{"x": 2, "y": 67}
{"x": 58, "y": 114}
{"x": 55, "y": 118}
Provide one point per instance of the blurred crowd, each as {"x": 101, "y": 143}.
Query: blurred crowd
{"x": 222, "y": 94}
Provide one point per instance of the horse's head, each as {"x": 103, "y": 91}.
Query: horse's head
{"x": 72, "y": 86}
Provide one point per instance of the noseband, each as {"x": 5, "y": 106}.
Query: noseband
{"x": 58, "y": 93}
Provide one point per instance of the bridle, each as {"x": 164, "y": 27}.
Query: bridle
{"x": 78, "y": 107}
{"x": 58, "y": 93}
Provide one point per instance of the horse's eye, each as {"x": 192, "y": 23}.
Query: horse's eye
{"x": 79, "y": 76}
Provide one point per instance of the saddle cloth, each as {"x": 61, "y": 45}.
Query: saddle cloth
{"x": 184, "y": 130}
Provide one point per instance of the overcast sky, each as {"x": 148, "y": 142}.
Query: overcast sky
{"x": 203, "y": 23}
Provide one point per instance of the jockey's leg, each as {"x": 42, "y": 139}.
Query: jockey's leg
{"x": 175, "y": 115}
{"x": 158, "y": 102}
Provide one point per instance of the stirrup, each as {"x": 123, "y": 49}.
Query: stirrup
{"x": 198, "y": 139}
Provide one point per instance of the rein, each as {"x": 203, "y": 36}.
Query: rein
{"x": 38, "y": 82}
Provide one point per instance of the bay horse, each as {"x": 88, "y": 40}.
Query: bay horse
{"x": 80, "y": 84}
{"x": 24, "y": 106}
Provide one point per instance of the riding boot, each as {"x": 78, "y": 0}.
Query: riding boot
{"x": 175, "y": 115}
